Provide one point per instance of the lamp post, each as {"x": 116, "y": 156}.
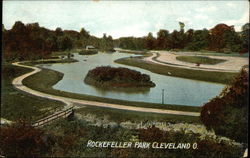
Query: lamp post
{"x": 162, "y": 98}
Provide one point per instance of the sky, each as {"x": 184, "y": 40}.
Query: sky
{"x": 126, "y": 18}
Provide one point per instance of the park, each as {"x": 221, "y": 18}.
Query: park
{"x": 143, "y": 89}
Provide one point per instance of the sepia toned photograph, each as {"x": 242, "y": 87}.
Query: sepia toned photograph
{"x": 125, "y": 79}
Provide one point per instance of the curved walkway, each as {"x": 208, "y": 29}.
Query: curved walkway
{"x": 17, "y": 82}
{"x": 233, "y": 64}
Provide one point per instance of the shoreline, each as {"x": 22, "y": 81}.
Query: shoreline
{"x": 167, "y": 70}
{"x": 109, "y": 100}
{"x": 150, "y": 109}
{"x": 50, "y": 90}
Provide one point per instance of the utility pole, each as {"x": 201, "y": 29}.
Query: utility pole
{"x": 162, "y": 94}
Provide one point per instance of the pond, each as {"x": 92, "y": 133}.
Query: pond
{"x": 177, "y": 91}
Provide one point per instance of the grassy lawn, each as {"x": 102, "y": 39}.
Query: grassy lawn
{"x": 209, "y": 76}
{"x": 200, "y": 60}
{"x": 133, "y": 116}
{"x": 18, "y": 105}
{"x": 45, "y": 79}
{"x": 212, "y": 53}
{"x": 233, "y": 54}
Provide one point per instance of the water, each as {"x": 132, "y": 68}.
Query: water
{"x": 177, "y": 90}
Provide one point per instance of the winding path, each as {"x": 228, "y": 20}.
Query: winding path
{"x": 17, "y": 82}
{"x": 232, "y": 64}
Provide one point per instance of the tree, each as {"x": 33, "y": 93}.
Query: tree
{"x": 162, "y": 39}
{"x": 223, "y": 38}
{"x": 150, "y": 41}
{"x": 245, "y": 37}
{"x": 190, "y": 35}
{"x": 19, "y": 28}
{"x": 33, "y": 26}
{"x": 198, "y": 40}
{"x": 106, "y": 43}
{"x": 131, "y": 43}
{"x": 58, "y": 31}
{"x": 51, "y": 43}
{"x": 84, "y": 33}
{"x": 104, "y": 36}
{"x": 64, "y": 43}
{"x": 177, "y": 40}
{"x": 110, "y": 38}
{"x": 227, "y": 113}
{"x": 232, "y": 41}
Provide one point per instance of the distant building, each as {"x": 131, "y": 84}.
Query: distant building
{"x": 90, "y": 47}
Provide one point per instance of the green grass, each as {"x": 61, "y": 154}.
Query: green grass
{"x": 209, "y": 76}
{"x": 200, "y": 60}
{"x": 233, "y": 54}
{"x": 133, "y": 116}
{"x": 45, "y": 79}
{"x": 18, "y": 105}
{"x": 212, "y": 53}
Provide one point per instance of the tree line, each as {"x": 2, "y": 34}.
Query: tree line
{"x": 30, "y": 41}
{"x": 221, "y": 38}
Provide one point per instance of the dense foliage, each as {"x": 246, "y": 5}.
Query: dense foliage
{"x": 23, "y": 140}
{"x": 69, "y": 139}
{"x": 30, "y": 41}
{"x": 227, "y": 113}
{"x": 117, "y": 77}
{"x": 131, "y": 43}
{"x": 221, "y": 38}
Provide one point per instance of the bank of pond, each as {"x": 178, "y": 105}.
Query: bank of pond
{"x": 177, "y": 90}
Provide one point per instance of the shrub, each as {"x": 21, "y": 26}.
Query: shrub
{"x": 106, "y": 76}
{"x": 23, "y": 140}
{"x": 227, "y": 113}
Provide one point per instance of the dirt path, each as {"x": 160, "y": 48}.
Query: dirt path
{"x": 17, "y": 82}
{"x": 232, "y": 64}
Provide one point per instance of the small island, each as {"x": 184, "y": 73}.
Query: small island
{"x": 107, "y": 77}
{"x": 88, "y": 52}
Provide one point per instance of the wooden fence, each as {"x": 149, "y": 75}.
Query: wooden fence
{"x": 57, "y": 115}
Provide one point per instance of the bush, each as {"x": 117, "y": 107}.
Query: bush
{"x": 227, "y": 113}
{"x": 106, "y": 76}
{"x": 23, "y": 140}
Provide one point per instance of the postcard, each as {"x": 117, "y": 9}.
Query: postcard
{"x": 116, "y": 78}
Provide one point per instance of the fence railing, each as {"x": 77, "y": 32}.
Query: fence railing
{"x": 48, "y": 113}
{"x": 54, "y": 116}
